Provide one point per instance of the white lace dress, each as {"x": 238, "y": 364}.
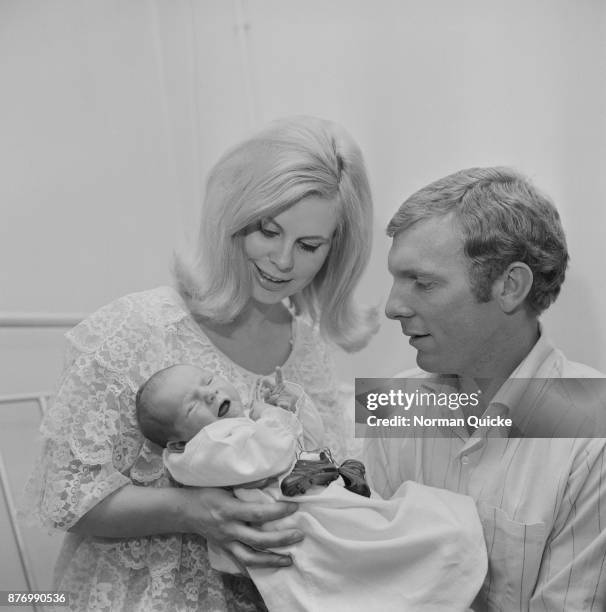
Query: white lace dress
{"x": 92, "y": 447}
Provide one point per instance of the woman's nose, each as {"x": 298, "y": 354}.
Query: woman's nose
{"x": 283, "y": 257}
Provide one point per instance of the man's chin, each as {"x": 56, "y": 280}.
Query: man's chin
{"x": 434, "y": 366}
{"x": 426, "y": 363}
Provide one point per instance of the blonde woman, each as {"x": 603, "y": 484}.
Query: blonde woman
{"x": 285, "y": 233}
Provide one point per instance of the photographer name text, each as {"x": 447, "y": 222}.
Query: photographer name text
{"x": 423, "y": 421}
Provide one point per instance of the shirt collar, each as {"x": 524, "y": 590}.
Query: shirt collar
{"x": 513, "y": 389}
{"x": 534, "y": 397}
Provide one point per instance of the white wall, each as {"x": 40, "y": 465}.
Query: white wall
{"x": 112, "y": 112}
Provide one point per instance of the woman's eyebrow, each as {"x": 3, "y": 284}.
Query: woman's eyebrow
{"x": 318, "y": 237}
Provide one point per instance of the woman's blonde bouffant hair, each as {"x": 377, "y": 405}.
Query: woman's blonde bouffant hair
{"x": 260, "y": 177}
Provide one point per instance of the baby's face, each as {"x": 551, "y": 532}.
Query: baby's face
{"x": 195, "y": 398}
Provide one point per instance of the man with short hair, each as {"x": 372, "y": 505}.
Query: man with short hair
{"x": 476, "y": 257}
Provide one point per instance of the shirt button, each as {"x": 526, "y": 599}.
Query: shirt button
{"x": 465, "y": 460}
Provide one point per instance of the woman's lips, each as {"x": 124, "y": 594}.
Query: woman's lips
{"x": 268, "y": 279}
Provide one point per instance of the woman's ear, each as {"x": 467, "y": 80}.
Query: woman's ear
{"x": 512, "y": 287}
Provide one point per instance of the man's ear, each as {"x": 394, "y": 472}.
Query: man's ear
{"x": 512, "y": 287}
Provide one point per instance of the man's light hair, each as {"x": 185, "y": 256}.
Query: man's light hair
{"x": 503, "y": 219}
{"x": 289, "y": 160}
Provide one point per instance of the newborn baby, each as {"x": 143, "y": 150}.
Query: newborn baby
{"x": 208, "y": 432}
{"x": 177, "y": 402}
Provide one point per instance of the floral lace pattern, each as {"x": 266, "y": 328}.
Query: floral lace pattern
{"x": 92, "y": 447}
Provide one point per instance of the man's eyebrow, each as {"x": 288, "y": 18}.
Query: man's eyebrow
{"x": 412, "y": 272}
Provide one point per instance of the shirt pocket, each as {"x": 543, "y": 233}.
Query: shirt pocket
{"x": 514, "y": 557}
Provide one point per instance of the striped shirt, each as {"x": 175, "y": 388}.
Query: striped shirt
{"x": 541, "y": 500}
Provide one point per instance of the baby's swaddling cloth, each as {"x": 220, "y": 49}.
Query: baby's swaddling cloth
{"x": 422, "y": 550}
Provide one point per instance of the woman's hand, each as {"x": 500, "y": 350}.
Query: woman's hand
{"x": 133, "y": 512}
{"x": 235, "y": 525}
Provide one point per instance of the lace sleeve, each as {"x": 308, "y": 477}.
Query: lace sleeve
{"x": 80, "y": 446}
{"x": 90, "y": 438}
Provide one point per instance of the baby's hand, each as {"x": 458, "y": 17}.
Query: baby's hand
{"x": 266, "y": 390}
{"x": 270, "y": 390}
{"x": 276, "y": 393}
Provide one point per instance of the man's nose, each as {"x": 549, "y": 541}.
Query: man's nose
{"x": 283, "y": 257}
{"x": 398, "y": 305}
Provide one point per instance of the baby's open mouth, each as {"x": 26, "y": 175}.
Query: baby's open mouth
{"x": 224, "y": 408}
